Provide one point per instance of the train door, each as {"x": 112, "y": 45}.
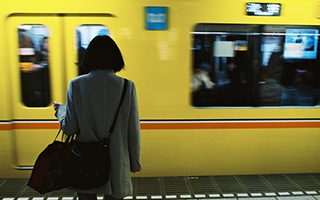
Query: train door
{"x": 44, "y": 51}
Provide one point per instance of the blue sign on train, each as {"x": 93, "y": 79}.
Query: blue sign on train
{"x": 156, "y": 18}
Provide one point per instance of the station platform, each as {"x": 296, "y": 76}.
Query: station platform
{"x": 260, "y": 187}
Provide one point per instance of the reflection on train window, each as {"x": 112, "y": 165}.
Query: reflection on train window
{"x": 34, "y": 48}
{"x": 84, "y": 34}
{"x": 255, "y": 65}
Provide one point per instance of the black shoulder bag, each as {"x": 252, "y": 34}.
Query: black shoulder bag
{"x": 88, "y": 165}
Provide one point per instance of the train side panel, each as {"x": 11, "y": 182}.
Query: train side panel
{"x": 224, "y": 151}
{"x": 178, "y": 138}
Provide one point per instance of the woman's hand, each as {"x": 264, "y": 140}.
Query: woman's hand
{"x": 56, "y": 105}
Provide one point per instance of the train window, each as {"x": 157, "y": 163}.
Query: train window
{"x": 255, "y": 65}
{"x": 34, "y": 57}
{"x": 84, "y": 34}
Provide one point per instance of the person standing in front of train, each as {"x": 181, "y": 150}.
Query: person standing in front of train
{"x": 92, "y": 101}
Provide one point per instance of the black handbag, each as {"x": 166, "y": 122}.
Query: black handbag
{"x": 88, "y": 165}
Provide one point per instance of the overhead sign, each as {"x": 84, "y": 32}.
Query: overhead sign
{"x": 263, "y": 9}
{"x": 156, "y": 18}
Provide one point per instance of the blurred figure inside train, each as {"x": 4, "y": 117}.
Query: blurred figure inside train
{"x": 270, "y": 90}
{"x": 42, "y": 57}
{"x": 233, "y": 91}
{"x": 303, "y": 91}
{"x": 202, "y": 86}
{"x": 34, "y": 65}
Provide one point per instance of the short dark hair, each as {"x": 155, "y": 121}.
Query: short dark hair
{"x": 103, "y": 53}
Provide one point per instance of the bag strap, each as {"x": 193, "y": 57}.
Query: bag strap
{"x": 69, "y": 138}
{"x": 121, "y": 100}
{"x": 57, "y": 134}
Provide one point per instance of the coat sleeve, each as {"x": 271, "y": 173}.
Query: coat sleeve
{"x": 66, "y": 114}
{"x": 134, "y": 133}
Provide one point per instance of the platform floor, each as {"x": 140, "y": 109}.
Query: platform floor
{"x": 260, "y": 187}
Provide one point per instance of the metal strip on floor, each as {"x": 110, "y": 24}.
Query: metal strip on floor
{"x": 187, "y": 187}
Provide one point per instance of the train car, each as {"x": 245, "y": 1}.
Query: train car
{"x": 224, "y": 87}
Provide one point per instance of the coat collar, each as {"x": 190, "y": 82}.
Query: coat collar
{"x": 102, "y": 72}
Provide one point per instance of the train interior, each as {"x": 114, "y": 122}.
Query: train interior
{"x": 255, "y": 65}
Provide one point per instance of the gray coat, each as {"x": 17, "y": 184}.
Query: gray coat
{"x": 92, "y": 101}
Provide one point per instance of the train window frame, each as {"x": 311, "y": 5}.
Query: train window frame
{"x": 34, "y": 64}
{"x": 215, "y": 50}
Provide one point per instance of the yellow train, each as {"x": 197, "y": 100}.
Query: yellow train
{"x": 224, "y": 87}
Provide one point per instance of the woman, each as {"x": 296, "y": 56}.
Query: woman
{"x": 92, "y": 100}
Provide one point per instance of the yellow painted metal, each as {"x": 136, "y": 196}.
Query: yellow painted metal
{"x": 28, "y": 144}
{"x": 7, "y": 158}
{"x": 5, "y": 154}
{"x": 5, "y": 92}
{"x": 221, "y": 152}
{"x": 160, "y": 63}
